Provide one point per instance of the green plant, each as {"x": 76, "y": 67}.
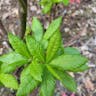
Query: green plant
{"x": 47, "y": 4}
{"x": 44, "y": 60}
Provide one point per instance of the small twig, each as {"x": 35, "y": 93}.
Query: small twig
{"x": 23, "y": 4}
{"x": 92, "y": 51}
{"x": 3, "y": 28}
{"x": 73, "y": 40}
{"x": 34, "y": 93}
{"x": 4, "y": 34}
{"x": 2, "y": 40}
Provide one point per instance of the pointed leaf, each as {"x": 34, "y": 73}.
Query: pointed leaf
{"x": 68, "y": 62}
{"x": 71, "y": 51}
{"x": 52, "y": 28}
{"x": 48, "y": 85}
{"x": 18, "y": 45}
{"x": 12, "y": 61}
{"x": 81, "y": 68}
{"x": 28, "y": 84}
{"x": 47, "y": 7}
{"x": 37, "y": 29}
{"x": 35, "y": 48}
{"x": 53, "y": 46}
{"x": 47, "y": 4}
{"x": 65, "y": 79}
{"x": 9, "y": 81}
{"x": 36, "y": 70}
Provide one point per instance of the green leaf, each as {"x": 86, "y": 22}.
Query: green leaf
{"x": 35, "y": 48}
{"x": 37, "y": 29}
{"x": 68, "y": 62}
{"x": 65, "y": 2}
{"x": 25, "y": 73}
{"x": 28, "y": 84}
{"x": 28, "y": 30}
{"x": 56, "y": 1}
{"x": 65, "y": 79}
{"x": 48, "y": 84}
{"x": 80, "y": 69}
{"x": 8, "y": 81}
{"x": 71, "y": 50}
{"x": 52, "y": 28}
{"x": 44, "y": 43}
{"x": 47, "y": 4}
{"x": 0, "y": 63}
{"x": 36, "y": 70}
{"x": 60, "y": 52}
{"x": 1, "y": 84}
{"x": 53, "y": 46}
{"x": 18, "y": 45}
{"x": 47, "y": 7}
{"x": 12, "y": 61}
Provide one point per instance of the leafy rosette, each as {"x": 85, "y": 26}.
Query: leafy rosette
{"x": 43, "y": 60}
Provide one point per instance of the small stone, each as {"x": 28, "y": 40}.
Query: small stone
{"x": 1, "y": 51}
{"x": 66, "y": 30}
{"x": 94, "y": 9}
{"x": 33, "y": 8}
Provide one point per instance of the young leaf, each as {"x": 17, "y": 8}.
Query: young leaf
{"x": 65, "y": 2}
{"x": 71, "y": 51}
{"x": 53, "y": 46}
{"x": 12, "y": 61}
{"x": 47, "y": 4}
{"x": 68, "y": 62}
{"x": 48, "y": 84}
{"x": 65, "y": 78}
{"x": 35, "y": 48}
{"x": 18, "y": 45}
{"x": 37, "y": 29}
{"x": 36, "y": 70}
{"x": 28, "y": 84}
{"x": 47, "y": 7}
{"x": 8, "y": 81}
{"x": 52, "y": 28}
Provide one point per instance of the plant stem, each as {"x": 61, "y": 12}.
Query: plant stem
{"x": 23, "y": 17}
